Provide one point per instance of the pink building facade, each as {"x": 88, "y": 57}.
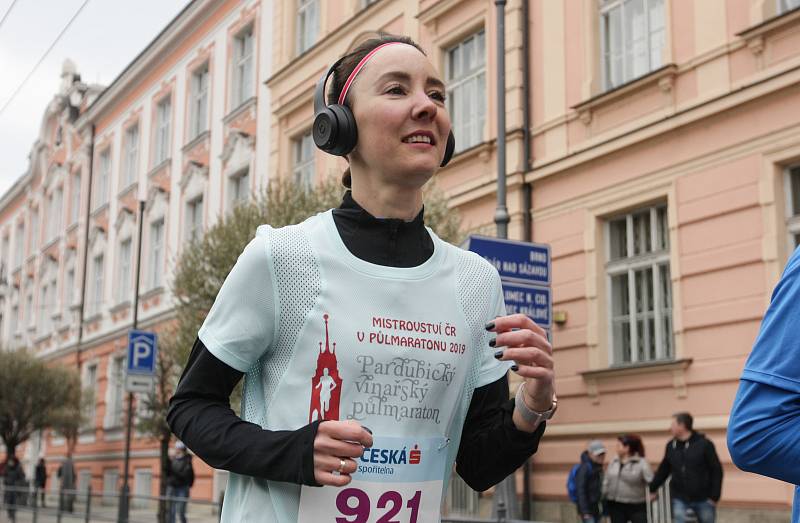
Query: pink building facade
{"x": 654, "y": 144}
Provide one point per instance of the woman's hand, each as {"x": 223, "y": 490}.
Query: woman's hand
{"x": 521, "y": 340}
{"x": 335, "y": 447}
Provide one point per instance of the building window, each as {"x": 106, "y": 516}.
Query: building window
{"x": 19, "y": 244}
{"x": 55, "y": 208}
{"x": 69, "y": 292}
{"x": 97, "y": 287}
{"x": 784, "y": 6}
{"x": 110, "y": 489}
{"x": 29, "y": 309}
{"x": 793, "y": 201}
{"x": 142, "y": 488}
{"x": 307, "y": 24}
{"x": 34, "y": 230}
{"x": 303, "y": 154}
{"x": 466, "y": 90}
{"x": 242, "y": 67}
{"x": 75, "y": 205}
{"x": 15, "y": 325}
{"x": 124, "y": 276}
{"x": 163, "y": 120}
{"x": 44, "y": 320}
{"x": 156, "y": 252}
{"x": 194, "y": 219}
{"x": 198, "y": 120}
{"x": 116, "y": 378}
{"x": 103, "y": 175}
{"x": 632, "y": 33}
{"x": 131, "y": 155}
{"x": 640, "y": 286}
{"x": 90, "y": 392}
{"x": 238, "y": 187}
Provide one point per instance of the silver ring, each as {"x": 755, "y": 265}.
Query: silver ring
{"x": 341, "y": 466}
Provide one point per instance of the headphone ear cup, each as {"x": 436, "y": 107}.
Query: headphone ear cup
{"x": 449, "y": 149}
{"x": 326, "y": 130}
{"x": 347, "y": 132}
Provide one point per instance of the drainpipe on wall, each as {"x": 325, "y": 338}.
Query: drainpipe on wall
{"x": 527, "y": 199}
{"x": 85, "y": 250}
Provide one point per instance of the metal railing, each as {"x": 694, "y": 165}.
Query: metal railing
{"x": 41, "y": 506}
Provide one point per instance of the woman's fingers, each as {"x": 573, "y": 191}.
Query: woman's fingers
{"x": 335, "y": 447}
{"x": 527, "y": 356}
{"x": 350, "y": 431}
{"x": 523, "y": 338}
{"x": 514, "y": 321}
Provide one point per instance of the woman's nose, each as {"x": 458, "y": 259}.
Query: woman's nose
{"x": 424, "y": 107}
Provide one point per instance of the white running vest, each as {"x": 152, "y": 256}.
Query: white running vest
{"x": 322, "y": 334}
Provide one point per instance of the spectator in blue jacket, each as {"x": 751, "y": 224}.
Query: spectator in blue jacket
{"x": 589, "y": 481}
{"x": 764, "y": 427}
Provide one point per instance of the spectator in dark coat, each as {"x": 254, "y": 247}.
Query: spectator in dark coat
{"x": 696, "y": 472}
{"x": 40, "y": 478}
{"x": 589, "y": 482}
{"x": 13, "y": 480}
{"x": 66, "y": 472}
{"x": 180, "y": 477}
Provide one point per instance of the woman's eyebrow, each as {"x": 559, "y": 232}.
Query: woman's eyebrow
{"x": 405, "y": 77}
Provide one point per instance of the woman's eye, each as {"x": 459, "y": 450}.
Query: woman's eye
{"x": 438, "y": 96}
{"x": 395, "y": 90}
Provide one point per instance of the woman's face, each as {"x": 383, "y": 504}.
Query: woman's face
{"x": 398, "y": 104}
{"x": 622, "y": 449}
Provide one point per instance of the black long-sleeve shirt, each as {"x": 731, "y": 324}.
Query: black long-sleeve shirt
{"x": 200, "y": 414}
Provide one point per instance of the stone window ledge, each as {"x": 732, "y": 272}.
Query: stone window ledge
{"x": 677, "y": 368}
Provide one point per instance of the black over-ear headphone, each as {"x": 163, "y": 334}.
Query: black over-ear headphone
{"x": 335, "y": 130}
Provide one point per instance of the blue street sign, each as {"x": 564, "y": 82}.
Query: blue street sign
{"x": 519, "y": 261}
{"x": 531, "y": 300}
{"x": 141, "y": 352}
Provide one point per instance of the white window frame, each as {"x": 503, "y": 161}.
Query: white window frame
{"x": 110, "y": 485}
{"x": 17, "y": 327}
{"x": 156, "y": 252}
{"x": 653, "y": 261}
{"x": 161, "y": 149}
{"x": 116, "y": 387}
{"x": 34, "y": 230}
{"x": 124, "y": 270}
{"x": 55, "y": 212}
{"x": 130, "y": 174}
{"x": 69, "y": 290}
{"x": 103, "y": 176}
{"x": 238, "y": 187}
{"x": 44, "y": 320}
{"x": 654, "y": 40}
{"x": 19, "y": 245}
{"x": 198, "y": 119}
{"x": 90, "y": 385}
{"x": 784, "y": 6}
{"x": 98, "y": 266}
{"x": 194, "y": 218}
{"x": 466, "y": 89}
{"x": 243, "y": 60}
{"x": 29, "y": 309}
{"x": 303, "y": 160}
{"x": 792, "y": 184}
{"x": 75, "y": 206}
{"x": 308, "y": 15}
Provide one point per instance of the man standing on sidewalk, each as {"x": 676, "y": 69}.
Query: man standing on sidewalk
{"x": 180, "y": 477}
{"x": 696, "y": 472}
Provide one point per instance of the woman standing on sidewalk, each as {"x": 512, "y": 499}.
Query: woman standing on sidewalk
{"x": 362, "y": 317}
{"x": 626, "y": 480}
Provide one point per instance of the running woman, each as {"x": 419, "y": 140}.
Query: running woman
{"x": 375, "y": 355}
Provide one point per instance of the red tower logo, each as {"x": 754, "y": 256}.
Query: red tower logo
{"x": 326, "y": 385}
